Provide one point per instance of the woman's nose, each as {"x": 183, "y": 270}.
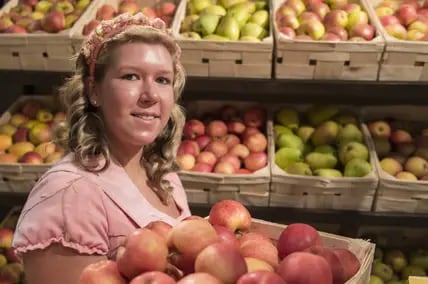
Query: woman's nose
{"x": 148, "y": 92}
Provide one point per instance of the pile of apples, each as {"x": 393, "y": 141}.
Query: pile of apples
{"x": 230, "y": 143}
{"x": 11, "y": 270}
{"x": 321, "y": 142}
{"x": 243, "y": 20}
{"x": 163, "y": 10}
{"x": 402, "y": 148}
{"x": 223, "y": 250}
{"x": 406, "y": 20}
{"x": 331, "y": 20}
{"x": 30, "y": 16}
{"x": 27, "y": 136}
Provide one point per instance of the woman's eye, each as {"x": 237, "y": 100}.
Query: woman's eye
{"x": 164, "y": 81}
{"x": 131, "y": 77}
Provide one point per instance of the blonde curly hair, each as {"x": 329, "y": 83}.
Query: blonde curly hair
{"x": 84, "y": 133}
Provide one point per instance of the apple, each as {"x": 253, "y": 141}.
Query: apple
{"x": 30, "y": 108}
{"x": 5, "y": 23}
{"x": 153, "y": 277}
{"x": 413, "y": 3}
{"x": 240, "y": 150}
{"x": 89, "y": 27}
{"x": 260, "y": 277}
{"x": 406, "y": 176}
{"x": 417, "y": 166}
{"x": 230, "y": 214}
{"x": 199, "y": 277}
{"x": 226, "y": 236}
{"x": 314, "y": 28}
{"x": 203, "y": 141}
{"x": 53, "y": 22}
{"x": 297, "y": 237}
{"x": 297, "y": 5}
{"x": 105, "y": 12}
{"x": 6, "y": 237}
{"x": 304, "y": 267}
{"x": 188, "y": 147}
{"x": 45, "y": 149}
{"x": 7, "y": 129}
{"x": 415, "y": 35}
{"x": 31, "y": 157}
{"x": 243, "y": 171}
{"x": 290, "y": 21}
{"x": 161, "y": 228}
{"x": 382, "y": 11}
{"x": 321, "y": 9}
{"x": 216, "y": 129}
{"x": 235, "y": 127}
{"x": 254, "y": 236}
{"x": 288, "y": 32}
{"x": 202, "y": 167}
{"x": 365, "y": 31}
{"x": 263, "y": 250}
{"x": 129, "y": 7}
{"x": 351, "y": 7}
{"x": 330, "y": 37}
{"x": 336, "y": 18}
{"x": 339, "y": 31}
{"x": 219, "y": 148}
{"x": 40, "y": 133}
{"x": 419, "y": 26}
{"x": 229, "y": 113}
{"x": 255, "y": 116}
{"x": 389, "y": 20}
{"x": 224, "y": 168}
{"x": 357, "y": 17}
{"x": 256, "y": 142}
{"x": 255, "y": 161}
{"x": 17, "y": 119}
{"x": 407, "y": 14}
{"x": 406, "y": 149}
{"x": 186, "y": 161}
{"x": 104, "y": 271}
{"x": 207, "y": 158}
{"x": 231, "y": 140}
{"x": 11, "y": 256}
{"x": 193, "y": 128}
{"x": 254, "y": 264}
{"x": 349, "y": 261}
{"x": 249, "y": 131}
{"x": 231, "y": 159}
{"x": 222, "y": 261}
{"x": 337, "y": 269}
{"x": 166, "y": 8}
{"x": 308, "y": 16}
{"x": 391, "y": 166}
{"x": 394, "y": 5}
{"x": 401, "y": 136}
{"x": 396, "y": 30}
{"x": 149, "y": 12}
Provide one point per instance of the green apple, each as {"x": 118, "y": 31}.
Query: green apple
{"x": 206, "y": 24}
{"x": 349, "y": 133}
{"x": 329, "y": 173}
{"x": 383, "y": 271}
{"x": 215, "y": 37}
{"x": 290, "y": 141}
{"x": 396, "y": 259}
{"x": 288, "y": 117}
{"x": 320, "y": 161}
{"x": 375, "y": 280}
{"x": 351, "y": 151}
{"x": 318, "y": 114}
{"x": 412, "y": 270}
{"x": 286, "y": 156}
{"x": 326, "y": 149}
{"x": 298, "y": 168}
{"x": 325, "y": 133}
{"x": 253, "y": 30}
{"x": 228, "y": 27}
{"x": 260, "y": 18}
{"x": 214, "y": 10}
{"x": 357, "y": 168}
{"x": 305, "y": 133}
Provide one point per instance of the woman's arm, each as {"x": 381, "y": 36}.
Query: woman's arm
{"x": 56, "y": 264}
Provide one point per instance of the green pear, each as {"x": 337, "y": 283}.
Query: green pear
{"x": 250, "y": 6}
{"x": 216, "y": 38}
{"x": 396, "y": 259}
{"x": 280, "y": 129}
{"x": 241, "y": 15}
{"x": 228, "y": 27}
{"x": 353, "y": 150}
{"x": 286, "y": 156}
{"x": 307, "y": 148}
{"x": 305, "y": 132}
{"x": 328, "y": 173}
{"x": 253, "y": 30}
{"x": 260, "y": 5}
{"x": 348, "y": 133}
{"x": 397, "y": 282}
{"x": 325, "y": 133}
{"x": 383, "y": 271}
{"x": 382, "y": 146}
{"x": 249, "y": 39}
{"x": 288, "y": 117}
{"x": 346, "y": 118}
{"x": 214, "y": 10}
{"x": 327, "y": 149}
{"x": 260, "y": 18}
{"x": 290, "y": 141}
{"x": 357, "y": 168}
{"x": 299, "y": 168}
{"x": 206, "y": 24}
{"x": 321, "y": 161}
{"x": 375, "y": 280}
{"x": 318, "y": 114}
{"x": 412, "y": 270}
{"x": 420, "y": 258}
{"x": 229, "y": 3}
{"x": 186, "y": 25}
{"x": 199, "y": 5}
{"x": 191, "y": 35}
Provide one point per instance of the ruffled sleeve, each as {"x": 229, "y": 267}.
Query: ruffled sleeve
{"x": 63, "y": 208}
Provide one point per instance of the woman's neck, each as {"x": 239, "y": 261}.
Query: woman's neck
{"x": 129, "y": 160}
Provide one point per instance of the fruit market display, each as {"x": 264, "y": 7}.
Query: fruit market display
{"x": 163, "y": 10}
{"x": 323, "y": 141}
{"x": 223, "y": 250}
{"x": 402, "y": 148}
{"x": 243, "y": 20}
{"x": 228, "y": 141}
{"x": 331, "y": 20}
{"x": 27, "y": 136}
{"x": 31, "y": 16}
{"x": 406, "y": 20}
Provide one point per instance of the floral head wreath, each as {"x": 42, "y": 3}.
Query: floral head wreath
{"x": 110, "y": 29}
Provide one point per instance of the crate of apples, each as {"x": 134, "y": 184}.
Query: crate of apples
{"x": 322, "y": 159}
{"x": 229, "y": 247}
{"x": 225, "y": 148}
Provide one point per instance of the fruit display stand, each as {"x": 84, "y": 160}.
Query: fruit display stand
{"x": 394, "y": 195}
{"x": 39, "y": 50}
{"x": 336, "y": 60}
{"x": 403, "y": 60}
{"x": 235, "y": 59}
{"x": 337, "y": 193}
{"x": 208, "y": 188}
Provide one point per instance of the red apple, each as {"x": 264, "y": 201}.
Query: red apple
{"x": 229, "y": 113}
{"x": 321, "y": 9}
{"x": 310, "y": 3}
{"x": 184, "y": 262}
{"x": 161, "y": 228}
{"x": 297, "y": 237}
{"x": 104, "y": 271}
{"x": 406, "y": 149}
{"x": 30, "y": 108}
{"x": 290, "y": 21}
{"x": 219, "y": 148}
{"x": 21, "y": 134}
{"x": 6, "y": 237}
{"x": 240, "y": 150}
{"x": 366, "y": 31}
{"x": 216, "y": 129}
{"x": 31, "y": 157}
{"x": 336, "y": 18}
{"x": 230, "y": 214}
{"x": 260, "y": 277}
{"x": 53, "y": 22}
{"x": 297, "y": 5}
{"x": 407, "y": 14}
{"x": 166, "y": 9}
{"x": 379, "y": 128}
{"x": 389, "y": 20}
{"x": 330, "y": 37}
{"x": 256, "y": 142}
{"x": 15, "y": 29}
{"x": 207, "y": 158}
{"x": 186, "y": 162}
{"x": 222, "y": 261}
{"x": 255, "y": 161}
{"x": 226, "y": 236}
{"x": 339, "y": 31}
{"x": 203, "y": 141}
{"x": 349, "y": 261}
{"x": 401, "y": 136}
{"x": 235, "y": 127}
{"x": 255, "y": 117}
{"x": 254, "y": 264}
{"x": 202, "y": 168}
{"x": 423, "y": 14}
{"x": 188, "y": 147}
{"x": 153, "y": 277}
{"x": 425, "y": 4}
{"x": 243, "y": 172}
{"x": 263, "y": 250}
{"x": 396, "y": 30}
{"x": 332, "y": 259}
{"x": 89, "y": 27}
{"x": 413, "y": 3}
{"x": 308, "y": 16}
{"x": 231, "y": 159}
{"x": 231, "y": 140}
{"x": 11, "y": 256}
{"x": 130, "y": 7}
{"x": 149, "y": 12}
{"x": 224, "y": 168}
{"x": 105, "y": 12}
{"x": 200, "y": 277}
{"x": 254, "y": 236}
{"x": 288, "y": 32}
{"x": 304, "y": 267}
{"x": 193, "y": 128}
{"x": 249, "y": 131}
{"x": 351, "y": 7}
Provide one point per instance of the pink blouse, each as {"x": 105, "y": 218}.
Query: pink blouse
{"x": 89, "y": 212}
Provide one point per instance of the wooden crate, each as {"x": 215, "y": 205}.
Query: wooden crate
{"x": 208, "y": 188}
{"x": 362, "y": 249}
{"x": 395, "y": 195}
{"x": 37, "y": 51}
{"x": 236, "y": 59}
{"x": 18, "y": 177}
{"x": 344, "y": 60}
{"x": 344, "y": 193}
{"x": 403, "y": 60}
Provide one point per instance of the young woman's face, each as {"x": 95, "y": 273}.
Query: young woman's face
{"x": 136, "y": 95}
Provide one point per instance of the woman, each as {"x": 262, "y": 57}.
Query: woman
{"x": 124, "y": 128}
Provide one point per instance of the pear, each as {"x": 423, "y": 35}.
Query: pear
{"x": 240, "y": 14}
{"x": 260, "y": 18}
{"x": 419, "y": 258}
{"x": 383, "y": 271}
{"x": 288, "y": 117}
{"x": 396, "y": 259}
{"x": 214, "y": 10}
{"x": 305, "y": 132}
{"x": 357, "y": 168}
{"x": 199, "y": 5}
{"x": 249, "y": 6}
{"x": 298, "y": 168}
{"x": 290, "y": 141}
{"x": 318, "y": 114}
{"x": 253, "y": 30}
{"x": 249, "y": 39}
{"x": 191, "y": 35}
{"x": 215, "y": 37}
{"x": 327, "y": 149}
{"x": 353, "y": 150}
{"x": 229, "y": 3}
{"x": 349, "y": 133}
{"x": 375, "y": 280}
{"x": 286, "y": 156}
{"x": 186, "y": 25}
{"x": 412, "y": 270}
{"x": 328, "y": 173}
{"x": 321, "y": 161}
{"x": 260, "y": 5}
{"x": 228, "y": 27}
{"x": 279, "y": 129}
{"x": 206, "y": 24}
{"x": 325, "y": 133}
{"x": 346, "y": 118}
{"x": 307, "y": 148}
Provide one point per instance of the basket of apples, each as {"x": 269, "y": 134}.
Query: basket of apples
{"x": 400, "y": 141}
{"x": 35, "y": 34}
{"x": 332, "y": 39}
{"x": 26, "y": 147}
{"x": 225, "y": 38}
{"x": 321, "y": 159}
{"x": 229, "y": 247}
{"x": 223, "y": 154}
{"x": 108, "y": 9}
{"x": 404, "y": 25}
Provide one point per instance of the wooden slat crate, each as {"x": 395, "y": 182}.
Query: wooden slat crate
{"x": 344, "y": 60}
